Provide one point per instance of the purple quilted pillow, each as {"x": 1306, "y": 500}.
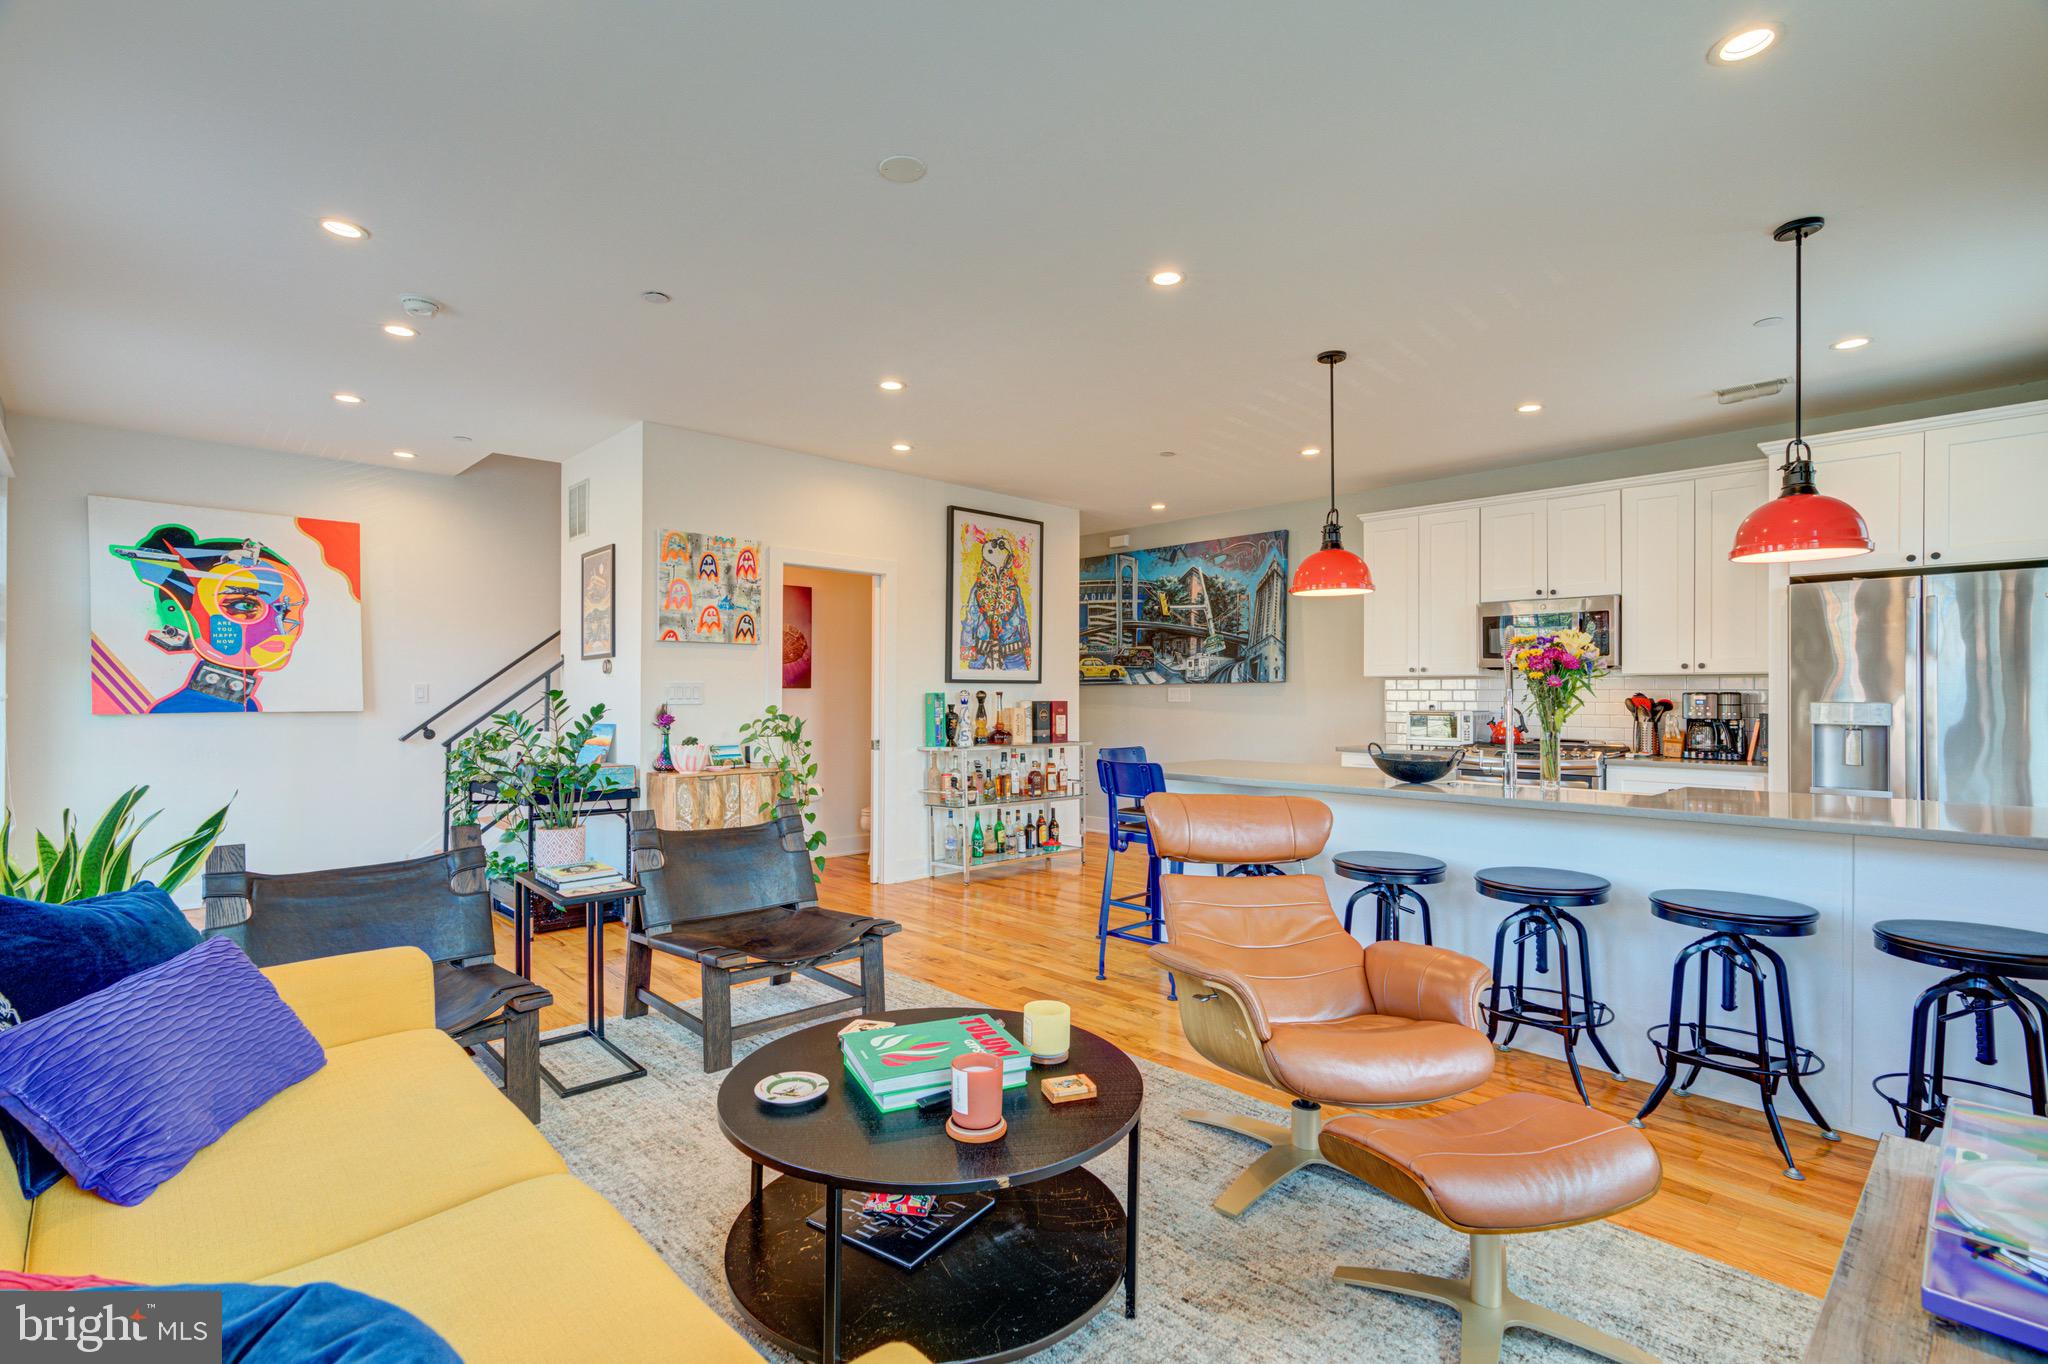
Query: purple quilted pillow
{"x": 127, "y": 1084}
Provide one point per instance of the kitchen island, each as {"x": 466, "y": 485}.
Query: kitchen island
{"x": 1857, "y": 860}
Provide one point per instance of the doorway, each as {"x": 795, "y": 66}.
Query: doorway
{"x": 828, "y": 617}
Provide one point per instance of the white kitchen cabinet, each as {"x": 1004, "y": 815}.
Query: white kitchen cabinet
{"x": 1447, "y": 617}
{"x": 1880, "y": 477}
{"x": 1568, "y": 546}
{"x": 1657, "y": 569}
{"x": 1391, "y": 609}
{"x": 1985, "y": 487}
{"x": 1731, "y": 601}
{"x": 1584, "y": 544}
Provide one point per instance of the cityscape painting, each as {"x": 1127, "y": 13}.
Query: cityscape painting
{"x": 1209, "y": 611}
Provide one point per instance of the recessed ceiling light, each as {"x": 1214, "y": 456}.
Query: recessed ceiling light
{"x": 401, "y": 454}
{"x": 901, "y": 447}
{"x": 398, "y": 329}
{"x": 1742, "y": 44}
{"x": 342, "y": 227}
{"x": 1529, "y": 407}
{"x": 654, "y": 296}
{"x": 1166, "y": 279}
{"x": 1158, "y": 506}
{"x": 1311, "y": 451}
{"x": 1852, "y": 343}
{"x": 891, "y": 385}
{"x": 349, "y": 398}
{"x": 901, "y": 170}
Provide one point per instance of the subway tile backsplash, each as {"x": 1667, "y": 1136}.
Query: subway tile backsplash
{"x": 1602, "y": 717}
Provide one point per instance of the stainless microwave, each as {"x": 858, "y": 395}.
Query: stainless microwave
{"x": 1501, "y": 621}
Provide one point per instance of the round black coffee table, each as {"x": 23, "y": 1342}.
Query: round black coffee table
{"x": 1027, "y": 1272}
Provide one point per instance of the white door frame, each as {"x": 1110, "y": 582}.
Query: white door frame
{"x": 881, "y": 670}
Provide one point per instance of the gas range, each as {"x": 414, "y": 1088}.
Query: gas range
{"x": 1581, "y": 762}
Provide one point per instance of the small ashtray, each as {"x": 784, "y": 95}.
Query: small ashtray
{"x": 791, "y": 1088}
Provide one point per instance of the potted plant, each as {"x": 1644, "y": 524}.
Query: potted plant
{"x": 539, "y": 769}
{"x": 692, "y": 756}
{"x": 67, "y": 869}
{"x": 777, "y": 739}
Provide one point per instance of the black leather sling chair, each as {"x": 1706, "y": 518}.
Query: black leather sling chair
{"x": 743, "y": 905}
{"x": 439, "y": 904}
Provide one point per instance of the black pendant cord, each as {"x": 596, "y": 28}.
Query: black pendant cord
{"x": 1798, "y": 465}
{"x": 1331, "y": 453}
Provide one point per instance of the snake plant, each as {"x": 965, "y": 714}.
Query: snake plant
{"x": 70, "y": 868}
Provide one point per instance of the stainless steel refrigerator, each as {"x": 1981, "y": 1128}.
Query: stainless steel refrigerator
{"x": 1929, "y": 687}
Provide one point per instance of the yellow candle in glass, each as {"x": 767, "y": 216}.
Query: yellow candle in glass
{"x": 1048, "y": 1025}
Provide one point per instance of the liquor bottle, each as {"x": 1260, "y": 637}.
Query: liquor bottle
{"x": 1030, "y": 834}
{"x": 1052, "y": 831}
{"x": 975, "y": 839}
{"x": 1021, "y": 839}
{"x": 952, "y": 843}
{"x": 952, "y": 728}
{"x": 1002, "y": 777}
{"x": 1042, "y": 830}
{"x": 981, "y": 717}
{"x": 998, "y": 841}
{"x": 964, "y": 729}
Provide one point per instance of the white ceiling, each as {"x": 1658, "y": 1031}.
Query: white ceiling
{"x": 1484, "y": 203}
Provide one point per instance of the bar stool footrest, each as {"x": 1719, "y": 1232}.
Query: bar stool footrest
{"x": 1711, "y": 1054}
{"x": 1903, "y": 1112}
{"x": 1525, "y": 1004}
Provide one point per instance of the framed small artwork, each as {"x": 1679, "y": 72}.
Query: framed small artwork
{"x": 796, "y": 635}
{"x": 995, "y": 575}
{"x": 599, "y": 613}
{"x": 707, "y": 589}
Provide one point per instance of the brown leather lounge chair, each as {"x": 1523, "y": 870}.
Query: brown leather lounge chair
{"x": 1272, "y": 988}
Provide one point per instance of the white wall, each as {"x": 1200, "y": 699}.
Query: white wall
{"x": 459, "y": 575}
{"x": 837, "y": 708}
{"x": 825, "y": 514}
{"x": 613, "y": 468}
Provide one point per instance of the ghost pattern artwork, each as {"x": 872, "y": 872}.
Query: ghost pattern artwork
{"x": 707, "y": 589}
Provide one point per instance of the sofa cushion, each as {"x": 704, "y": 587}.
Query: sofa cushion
{"x": 543, "y": 1269}
{"x": 51, "y": 955}
{"x": 393, "y": 1129}
{"x": 126, "y": 1085}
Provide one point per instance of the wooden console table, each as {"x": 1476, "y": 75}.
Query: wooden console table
{"x": 715, "y": 798}
{"x": 1873, "y": 1309}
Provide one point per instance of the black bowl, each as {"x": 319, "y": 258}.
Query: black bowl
{"x": 1414, "y": 765}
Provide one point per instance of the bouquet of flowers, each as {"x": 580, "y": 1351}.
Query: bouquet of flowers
{"x": 1559, "y": 669}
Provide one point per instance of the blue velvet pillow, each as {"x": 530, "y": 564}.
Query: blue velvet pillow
{"x": 316, "y": 1323}
{"x": 125, "y": 1086}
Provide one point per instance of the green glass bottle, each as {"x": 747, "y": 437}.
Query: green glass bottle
{"x": 997, "y": 837}
{"x": 974, "y": 839}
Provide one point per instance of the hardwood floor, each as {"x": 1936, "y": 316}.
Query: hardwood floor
{"x": 1031, "y": 935}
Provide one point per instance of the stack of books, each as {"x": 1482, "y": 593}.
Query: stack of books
{"x": 578, "y": 879}
{"x": 897, "y": 1066}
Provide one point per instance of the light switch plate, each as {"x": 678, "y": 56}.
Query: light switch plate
{"x": 419, "y": 693}
{"x": 686, "y": 693}
{"x": 1180, "y": 694}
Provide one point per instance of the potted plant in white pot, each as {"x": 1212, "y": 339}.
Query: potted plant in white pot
{"x": 539, "y": 767}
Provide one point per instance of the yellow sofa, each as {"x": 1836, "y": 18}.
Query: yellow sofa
{"x": 399, "y": 1170}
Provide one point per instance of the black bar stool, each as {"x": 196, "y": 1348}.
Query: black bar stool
{"x": 1735, "y": 925}
{"x": 1547, "y": 895}
{"x": 1989, "y": 963}
{"x": 1390, "y": 878}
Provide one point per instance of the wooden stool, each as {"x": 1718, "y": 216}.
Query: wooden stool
{"x": 1520, "y": 1163}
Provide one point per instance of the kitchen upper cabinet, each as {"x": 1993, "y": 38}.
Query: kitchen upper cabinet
{"x": 1513, "y": 559}
{"x": 1731, "y": 601}
{"x": 1391, "y": 608}
{"x": 1447, "y": 621}
{"x": 1986, "y": 486}
{"x": 1657, "y": 569}
{"x": 1567, "y": 546}
{"x": 1880, "y": 477}
{"x": 1585, "y": 544}
{"x": 1422, "y": 615}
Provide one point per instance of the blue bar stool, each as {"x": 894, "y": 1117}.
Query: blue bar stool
{"x": 1735, "y": 925}
{"x": 1547, "y": 895}
{"x": 1989, "y": 963}
{"x": 1390, "y": 878}
{"x": 1125, "y": 786}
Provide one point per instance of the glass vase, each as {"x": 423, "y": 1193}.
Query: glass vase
{"x": 662, "y": 761}
{"x": 1549, "y": 760}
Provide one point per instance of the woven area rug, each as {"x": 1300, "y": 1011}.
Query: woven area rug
{"x": 1255, "y": 1291}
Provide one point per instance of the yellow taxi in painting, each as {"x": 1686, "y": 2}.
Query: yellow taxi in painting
{"x": 1099, "y": 670}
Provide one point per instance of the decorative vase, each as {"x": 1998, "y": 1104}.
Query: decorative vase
{"x": 558, "y": 847}
{"x": 692, "y": 758}
{"x": 1550, "y": 760}
{"x": 662, "y": 761}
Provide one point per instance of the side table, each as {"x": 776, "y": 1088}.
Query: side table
{"x": 526, "y": 888}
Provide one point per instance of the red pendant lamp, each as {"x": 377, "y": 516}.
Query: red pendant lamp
{"x": 1801, "y": 524}
{"x": 1332, "y": 571}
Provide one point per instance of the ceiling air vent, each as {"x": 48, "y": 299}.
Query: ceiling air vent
{"x": 579, "y": 509}
{"x": 1742, "y": 393}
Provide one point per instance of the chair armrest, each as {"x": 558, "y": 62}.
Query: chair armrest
{"x": 1214, "y": 970}
{"x": 1427, "y": 984}
{"x": 358, "y": 995}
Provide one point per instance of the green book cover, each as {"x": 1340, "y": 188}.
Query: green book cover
{"x": 897, "y": 1100}
{"x": 917, "y": 1058}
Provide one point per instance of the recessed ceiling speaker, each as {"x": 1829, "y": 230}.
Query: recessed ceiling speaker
{"x": 418, "y": 305}
{"x": 901, "y": 170}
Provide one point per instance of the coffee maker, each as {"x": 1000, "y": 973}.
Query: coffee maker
{"x": 1714, "y": 725}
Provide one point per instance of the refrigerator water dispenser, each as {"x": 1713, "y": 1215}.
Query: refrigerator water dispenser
{"x": 1852, "y": 743}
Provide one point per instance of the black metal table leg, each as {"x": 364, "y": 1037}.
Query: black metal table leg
{"x": 1131, "y": 1230}
{"x": 593, "y": 1003}
{"x": 828, "y": 1333}
{"x": 756, "y": 1180}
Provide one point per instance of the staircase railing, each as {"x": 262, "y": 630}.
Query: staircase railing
{"x": 534, "y": 706}
{"x": 425, "y": 728}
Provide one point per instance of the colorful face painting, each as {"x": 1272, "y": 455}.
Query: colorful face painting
{"x": 992, "y": 629}
{"x": 707, "y": 589}
{"x": 222, "y": 615}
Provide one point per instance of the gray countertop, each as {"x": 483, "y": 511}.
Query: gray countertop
{"x": 1617, "y": 760}
{"x": 2005, "y": 826}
